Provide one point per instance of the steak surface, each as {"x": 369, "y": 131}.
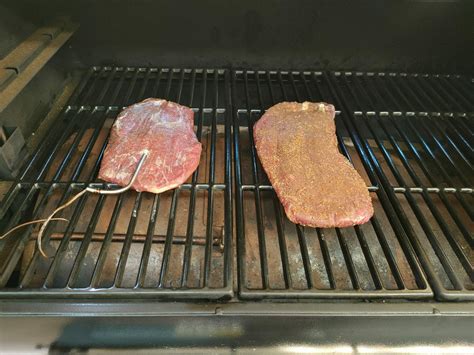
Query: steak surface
{"x": 164, "y": 129}
{"x": 317, "y": 185}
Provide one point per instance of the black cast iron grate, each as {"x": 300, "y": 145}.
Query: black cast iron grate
{"x": 410, "y": 137}
{"x": 175, "y": 244}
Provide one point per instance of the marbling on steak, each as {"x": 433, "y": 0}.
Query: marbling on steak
{"x": 318, "y": 187}
{"x": 166, "y": 130}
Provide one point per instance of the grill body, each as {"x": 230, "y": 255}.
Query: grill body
{"x": 215, "y": 264}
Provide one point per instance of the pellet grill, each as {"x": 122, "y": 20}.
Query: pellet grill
{"x": 215, "y": 265}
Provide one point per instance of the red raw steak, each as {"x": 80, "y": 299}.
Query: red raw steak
{"x": 164, "y": 129}
{"x": 318, "y": 187}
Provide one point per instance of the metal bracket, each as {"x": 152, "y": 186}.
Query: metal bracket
{"x": 26, "y": 60}
{"x": 12, "y": 149}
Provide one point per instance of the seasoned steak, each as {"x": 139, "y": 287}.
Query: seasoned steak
{"x": 318, "y": 187}
{"x": 164, "y": 129}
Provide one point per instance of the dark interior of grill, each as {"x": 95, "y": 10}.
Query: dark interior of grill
{"x": 400, "y": 77}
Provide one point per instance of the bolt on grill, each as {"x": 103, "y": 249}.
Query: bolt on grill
{"x": 176, "y": 243}
{"x": 408, "y": 135}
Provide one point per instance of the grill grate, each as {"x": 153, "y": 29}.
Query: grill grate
{"x": 437, "y": 212}
{"x": 409, "y": 136}
{"x": 177, "y": 243}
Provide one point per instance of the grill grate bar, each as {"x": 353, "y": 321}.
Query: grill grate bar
{"x": 77, "y": 146}
{"x": 174, "y": 203}
{"x": 396, "y": 189}
{"x": 81, "y": 254}
{"x": 258, "y": 206}
{"x": 284, "y": 255}
{"x": 394, "y": 269}
{"x": 29, "y": 273}
{"x": 385, "y": 247}
{"x": 413, "y": 94}
{"x": 142, "y": 271}
{"x": 65, "y": 161}
{"x": 433, "y": 98}
{"x": 463, "y": 257}
{"x": 67, "y": 132}
{"x": 228, "y": 203}
{"x": 78, "y": 137}
{"x": 430, "y": 151}
{"x": 169, "y": 82}
{"x": 342, "y": 242}
{"x": 156, "y": 86}
{"x": 192, "y": 200}
{"x": 421, "y": 162}
{"x": 295, "y": 86}
{"x": 61, "y": 251}
{"x": 210, "y": 193}
{"x": 239, "y": 210}
{"x": 452, "y": 143}
{"x": 459, "y": 92}
{"x": 327, "y": 260}
{"x": 282, "y": 87}
{"x": 422, "y": 220}
{"x": 13, "y": 256}
{"x": 441, "y": 169}
{"x": 435, "y": 212}
{"x": 348, "y": 260}
{"x": 99, "y": 266}
{"x": 445, "y": 261}
{"x": 181, "y": 82}
{"x": 305, "y": 256}
{"x": 466, "y": 127}
{"x": 362, "y": 148}
{"x": 33, "y": 189}
{"x": 276, "y": 204}
{"x": 426, "y": 170}
{"x": 433, "y": 88}
{"x": 409, "y": 135}
{"x": 360, "y": 236}
{"x": 119, "y": 275}
{"x": 282, "y": 242}
{"x": 68, "y": 192}
{"x": 141, "y": 94}
{"x": 168, "y": 240}
{"x": 321, "y": 240}
{"x": 369, "y": 258}
{"x": 358, "y": 111}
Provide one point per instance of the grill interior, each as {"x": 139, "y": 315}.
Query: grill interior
{"x": 408, "y": 135}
